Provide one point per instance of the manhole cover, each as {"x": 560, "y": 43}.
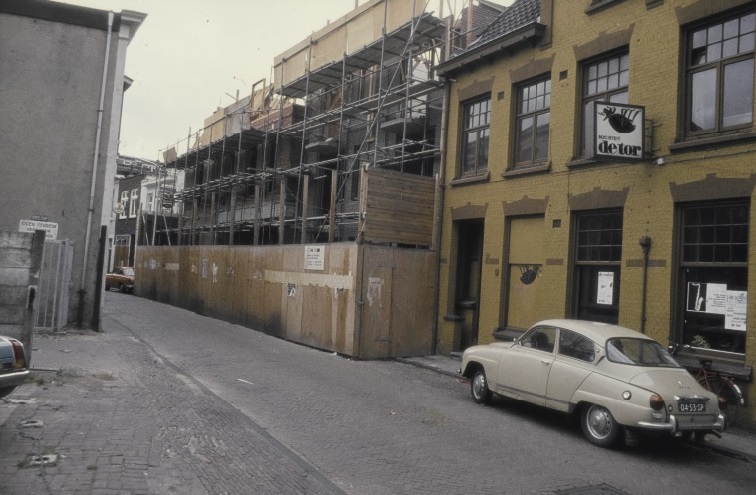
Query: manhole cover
{"x": 592, "y": 490}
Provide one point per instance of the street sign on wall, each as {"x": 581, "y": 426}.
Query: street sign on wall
{"x": 50, "y": 228}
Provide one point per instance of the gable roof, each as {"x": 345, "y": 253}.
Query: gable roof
{"x": 518, "y": 24}
{"x": 519, "y": 14}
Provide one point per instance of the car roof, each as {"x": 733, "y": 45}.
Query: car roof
{"x": 594, "y": 330}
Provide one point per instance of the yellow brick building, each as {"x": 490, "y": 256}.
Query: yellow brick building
{"x": 600, "y": 163}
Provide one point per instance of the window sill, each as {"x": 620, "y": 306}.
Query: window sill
{"x": 580, "y": 162}
{"x": 712, "y": 142}
{"x": 470, "y": 179}
{"x": 600, "y": 5}
{"x": 532, "y": 169}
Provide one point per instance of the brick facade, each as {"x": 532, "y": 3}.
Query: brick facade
{"x": 649, "y": 193}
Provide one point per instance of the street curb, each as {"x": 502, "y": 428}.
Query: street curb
{"x": 429, "y": 367}
{"x": 727, "y": 451}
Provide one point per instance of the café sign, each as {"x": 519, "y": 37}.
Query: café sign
{"x": 619, "y": 131}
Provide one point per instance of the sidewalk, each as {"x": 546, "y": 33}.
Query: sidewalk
{"x": 734, "y": 442}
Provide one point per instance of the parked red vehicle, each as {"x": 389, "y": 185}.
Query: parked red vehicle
{"x": 13, "y": 366}
{"x": 121, "y": 278}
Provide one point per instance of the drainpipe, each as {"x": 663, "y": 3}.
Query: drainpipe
{"x": 440, "y": 218}
{"x": 645, "y": 244}
{"x": 93, "y": 189}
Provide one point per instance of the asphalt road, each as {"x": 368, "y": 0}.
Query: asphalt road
{"x": 236, "y": 411}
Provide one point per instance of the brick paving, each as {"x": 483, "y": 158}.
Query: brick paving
{"x": 124, "y": 422}
{"x": 168, "y": 401}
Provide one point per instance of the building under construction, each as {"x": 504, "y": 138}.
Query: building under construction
{"x": 343, "y": 145}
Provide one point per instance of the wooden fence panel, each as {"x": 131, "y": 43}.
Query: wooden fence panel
{"x": 269, "y": 289}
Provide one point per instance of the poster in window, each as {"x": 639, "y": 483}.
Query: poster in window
{"x": 707, "y": 298}
{"x": 737, "y": 306}
{"x": 605, "y": 292}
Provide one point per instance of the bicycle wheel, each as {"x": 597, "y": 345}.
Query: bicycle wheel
{"x": 727, "y": 391}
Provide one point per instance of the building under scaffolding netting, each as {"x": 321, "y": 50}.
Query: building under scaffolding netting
{"x": 343, "y": 145}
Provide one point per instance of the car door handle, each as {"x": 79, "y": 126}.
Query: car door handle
{"x": 546, "y": 362}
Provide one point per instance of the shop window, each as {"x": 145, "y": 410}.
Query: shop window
{"x": 720, "y": 72}
{"x": 604, "y": 80}
{"x": 532, "y": 124}
{"x": 475, "y": 137}
{"x": 598, "y": 253}
{"x": 713, "y": 275}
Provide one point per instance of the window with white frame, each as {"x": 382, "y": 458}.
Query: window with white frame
{"x": 134, "y": 203}
{"x": 124, "y": 204}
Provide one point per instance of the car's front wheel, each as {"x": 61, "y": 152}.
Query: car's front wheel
{"x": 479, "y": 390}
{"x": 599, "y": 426}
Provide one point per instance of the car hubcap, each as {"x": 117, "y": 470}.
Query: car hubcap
{"x": 599, "y": 422}
{"x": 479, "y": 385}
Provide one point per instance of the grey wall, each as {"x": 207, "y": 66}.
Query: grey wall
{"x": 50, "y": 80}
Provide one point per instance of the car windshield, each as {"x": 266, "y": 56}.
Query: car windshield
{"x": 639, "y": 352}
{"x": 128, "y": 271}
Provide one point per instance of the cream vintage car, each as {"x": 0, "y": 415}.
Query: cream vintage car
{"x": 617, "y": 379}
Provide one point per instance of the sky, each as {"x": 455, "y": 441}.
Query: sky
{"x": 190, "y": 57}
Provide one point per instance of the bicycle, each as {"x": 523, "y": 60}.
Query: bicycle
{"x": 718, "y": 382}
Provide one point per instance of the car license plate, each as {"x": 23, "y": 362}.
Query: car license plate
{"x": 691, "y": 406}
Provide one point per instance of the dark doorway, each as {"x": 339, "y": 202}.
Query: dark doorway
{"x": 469, "y": 264}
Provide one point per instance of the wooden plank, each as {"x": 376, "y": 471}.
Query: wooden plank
{"x": 14, "y": 276}
{"x": 15, "y": 257}
{"x": 13, "y": 296}
{"x": 16, "y": 240}
{"x": 12, "y": 315}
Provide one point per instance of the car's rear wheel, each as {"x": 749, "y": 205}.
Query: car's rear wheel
{"x": 599, "y": 426}
{"x": 121, "y": 288}
{"x": 479, "y": 390}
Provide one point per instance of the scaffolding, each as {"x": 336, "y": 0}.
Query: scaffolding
{"x": 287, "y": 164}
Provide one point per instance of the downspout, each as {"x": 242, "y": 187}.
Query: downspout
{"x": 645, "y": 244}
{"x": 440, "y": 218}
{"x": 90, "y": 213}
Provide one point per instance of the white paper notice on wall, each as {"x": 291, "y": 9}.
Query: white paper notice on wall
{"x": 605, "y": 290}
{"x": 314, "y": 257}
{"x": 737, "y": 308}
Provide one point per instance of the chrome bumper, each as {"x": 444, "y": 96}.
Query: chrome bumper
{"x": 13, "y": 379}
{"x": 672, "y": 426}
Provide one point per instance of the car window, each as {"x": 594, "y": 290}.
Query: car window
{"x": 576, "y": 346}
{"x": 639, "y": 352}
{"x": 128, "y": 272}
{"x": 540, "y": 338}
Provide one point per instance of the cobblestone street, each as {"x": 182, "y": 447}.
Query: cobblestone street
{"x": 168, "y": 401}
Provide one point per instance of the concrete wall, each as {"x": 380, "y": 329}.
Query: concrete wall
{"x": 20, "y": 261}
{"x": 52, "y": 57}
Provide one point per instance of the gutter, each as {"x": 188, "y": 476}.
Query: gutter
{"x": 93, "y": 188}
